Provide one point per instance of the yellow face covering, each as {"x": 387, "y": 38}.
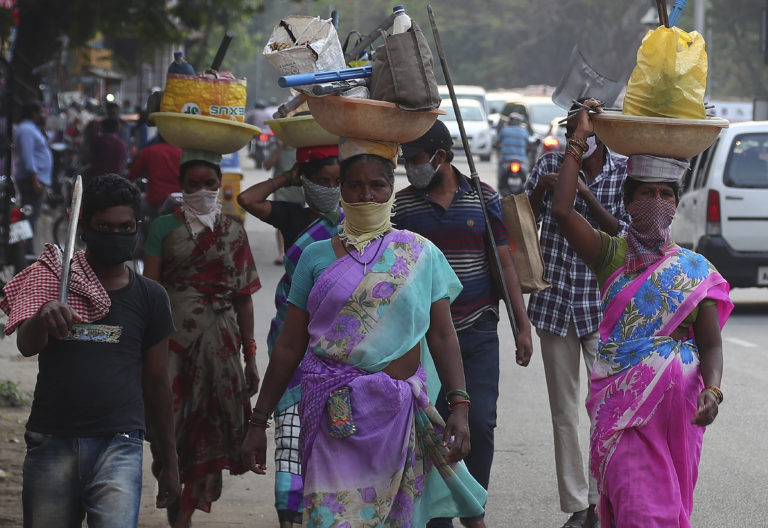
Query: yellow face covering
{"x": 365, "y": 221}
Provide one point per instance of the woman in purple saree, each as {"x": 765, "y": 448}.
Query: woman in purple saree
{"x": 368, "y": 306}
{"x": 655, "y": 381}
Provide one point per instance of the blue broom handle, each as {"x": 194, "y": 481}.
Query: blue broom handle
{"x": 677, "y": 12}
{"x": 325, "y": 76}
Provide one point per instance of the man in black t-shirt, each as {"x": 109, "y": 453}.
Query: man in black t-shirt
{"x": 86, "y": 429}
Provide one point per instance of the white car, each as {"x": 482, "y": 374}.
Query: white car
{"x": 495, "y": 100}
{"x": 723, "y": 211}
{"x": 475, "y": 124}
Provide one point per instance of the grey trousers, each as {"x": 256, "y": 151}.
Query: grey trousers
{"x": 561, "y": 359}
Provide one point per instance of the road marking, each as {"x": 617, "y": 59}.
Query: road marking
{"x": 740, "y": 342}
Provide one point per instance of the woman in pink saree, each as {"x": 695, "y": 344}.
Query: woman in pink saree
{"x": 371, "y": 309}
{"x": 655, "y": 381}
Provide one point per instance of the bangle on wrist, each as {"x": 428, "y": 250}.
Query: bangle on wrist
{"x": 579, "y": 143}
{"x": 454, "y": 403}
{"x": 249, "y": 348}
{"x": 456, "y": 392}
{"x": 716, "y": 392}
{"x": 574, "y": 153}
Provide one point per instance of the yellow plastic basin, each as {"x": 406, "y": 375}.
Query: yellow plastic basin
{"x": 203, "y": 132}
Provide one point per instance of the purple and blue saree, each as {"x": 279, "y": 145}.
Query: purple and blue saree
{"x": 388, "y": 469}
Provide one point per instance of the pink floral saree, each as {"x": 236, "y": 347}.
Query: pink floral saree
{"x": 644, "y": 389}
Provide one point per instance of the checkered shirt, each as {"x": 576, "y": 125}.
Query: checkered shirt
{"x": 39, "y": 283}
{"x": 574, "y": 295}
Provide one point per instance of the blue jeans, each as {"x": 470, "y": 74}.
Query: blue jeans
{"x": 67, "y": 478}
{"x": 480, "y": 354}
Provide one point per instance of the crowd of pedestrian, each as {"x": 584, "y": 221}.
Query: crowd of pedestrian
{"x": 384, "y": 340}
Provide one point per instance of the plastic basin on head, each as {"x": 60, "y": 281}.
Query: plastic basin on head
{"x": 301, "y": 131}
{"x": 202, "y": 132}
{"x": 370, "y": 119}
{"x": 657, "y": 136}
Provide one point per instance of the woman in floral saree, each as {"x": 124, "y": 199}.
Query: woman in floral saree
{"x": 655, "y": 381}
{"x": 204, "y": 261}
{"x": 317, "y": 168}
{"x": 371, "y": 309}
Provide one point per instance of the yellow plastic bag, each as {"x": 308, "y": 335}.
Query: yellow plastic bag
{"x": 670, "y": 77}
{"x": 205, "y": 95}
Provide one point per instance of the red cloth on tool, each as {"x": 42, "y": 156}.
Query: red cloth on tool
{"x": 318, "y": 152}
{"x": 39, "y": 283}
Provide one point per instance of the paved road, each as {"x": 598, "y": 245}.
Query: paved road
{"x": 732, "y": 489}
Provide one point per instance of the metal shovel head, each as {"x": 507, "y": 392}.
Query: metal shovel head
{"x": 582, "y": 80}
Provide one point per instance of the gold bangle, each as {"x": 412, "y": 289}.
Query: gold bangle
{"x": 579, "y": 143}
{"x": 574, "y": 153}
{"x": 716, "y": 392}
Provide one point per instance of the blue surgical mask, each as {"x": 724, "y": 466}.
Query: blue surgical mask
{"x": 420, "y": 175}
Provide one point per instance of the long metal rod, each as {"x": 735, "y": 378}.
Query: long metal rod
{"x": 69, "y": 250}
{"x": 491, "y": 241}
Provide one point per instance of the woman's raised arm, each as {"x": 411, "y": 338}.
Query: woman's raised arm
{"x": 582, "y": 237}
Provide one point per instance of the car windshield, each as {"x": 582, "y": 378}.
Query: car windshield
{"x": 468, "y": 113}
{"x": 748, "y": 162}
{"x": 543, "y": 114}
{"x": 494, "y": 107}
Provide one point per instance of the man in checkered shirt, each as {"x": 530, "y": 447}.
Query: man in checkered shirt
{"x": 567, "y": 315}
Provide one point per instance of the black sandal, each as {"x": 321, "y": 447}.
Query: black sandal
{"x": 576, "y": 520}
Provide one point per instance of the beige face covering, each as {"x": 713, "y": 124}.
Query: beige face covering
{"x": 365, "y": 221}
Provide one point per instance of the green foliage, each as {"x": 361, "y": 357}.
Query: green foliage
{"x": 737, "y": 65}
{"x": 11, "y": 395}
{"x": 496, "y": 43}
{"x": 147, "y": 23}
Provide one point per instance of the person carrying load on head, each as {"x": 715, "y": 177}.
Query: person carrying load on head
{"x": 317, "y": 172}
{"x": 656, "y": 377}
{"x": 203, "y": 259}
{"x": 374, "y": 449}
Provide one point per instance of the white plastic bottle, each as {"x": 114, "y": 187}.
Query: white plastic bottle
{"x": 402, "y": 22}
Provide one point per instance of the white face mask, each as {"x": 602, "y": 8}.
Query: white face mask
{"x": 201, "y": 206}
{"x": 592, "y": 144}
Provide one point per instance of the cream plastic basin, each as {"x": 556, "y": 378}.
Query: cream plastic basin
{"x": 301, "y": 131}
{"x": 370, "y": 119}
{"x": 657, "y": 136}
{"x": 202, "y": 132}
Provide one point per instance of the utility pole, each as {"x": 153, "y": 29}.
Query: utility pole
{"x": 699, "y": 11}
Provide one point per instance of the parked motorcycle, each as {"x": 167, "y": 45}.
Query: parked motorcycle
{"x": 15, "y": 229}
{"x": 12, "y": 254}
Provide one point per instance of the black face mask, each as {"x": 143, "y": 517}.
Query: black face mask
{"x": 110, "y": 248}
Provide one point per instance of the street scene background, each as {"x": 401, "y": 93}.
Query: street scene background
{"x": 731, "y": 490}
{"x": 91, "y": 52}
